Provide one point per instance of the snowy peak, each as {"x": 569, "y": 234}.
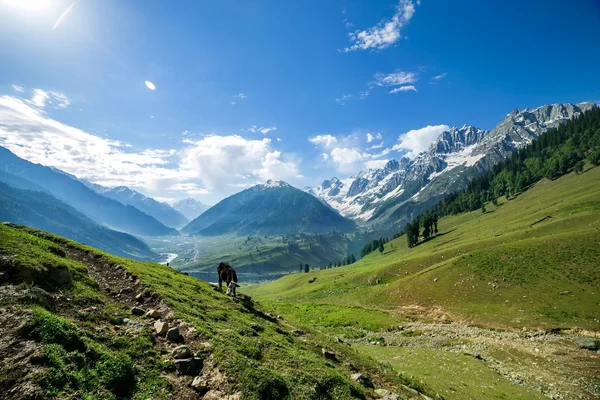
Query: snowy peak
{"x": 273, "y": 184}
{"x": 452, "y": 159}
{"x": 190, "y": 208}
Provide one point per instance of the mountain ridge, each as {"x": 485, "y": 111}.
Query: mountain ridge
{"x": 394, "y": 192}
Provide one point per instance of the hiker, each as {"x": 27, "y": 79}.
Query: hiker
{"x": 227, "y": 275}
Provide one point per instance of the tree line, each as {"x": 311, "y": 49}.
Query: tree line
{"x": 555, "y": 153}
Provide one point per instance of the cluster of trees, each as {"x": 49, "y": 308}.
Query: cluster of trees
{"x": 429, "y": 223}
{"x": 304, "y": 268}
{"x": 349, "y": 259}
{"x": 375, "y": 244}
{"x": 555, "y": 153}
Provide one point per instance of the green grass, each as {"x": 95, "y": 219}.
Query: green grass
{"x": 491, "y": 269}
{"x": 454, "y": 376}
{"x": 259, "y": 357}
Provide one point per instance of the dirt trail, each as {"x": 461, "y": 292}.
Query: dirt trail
{"x": 126, "y": 289}
{"x": 549, "y": 362}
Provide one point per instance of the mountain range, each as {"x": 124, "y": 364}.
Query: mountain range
{"x": 272, "y": 208}
{"x": 43, "y": 211}
{"x": 392, "y": 194}
{"x": 76, "y": 194}
{"x": 190, "y": 208}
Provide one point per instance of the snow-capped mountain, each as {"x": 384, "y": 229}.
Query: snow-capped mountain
{"x": 393, "y": 193}
{"x": 190, "y": 208}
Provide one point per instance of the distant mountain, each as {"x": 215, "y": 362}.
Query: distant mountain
{"x": 161, "y": 211}
{"x": 190, "y": 208}
{"x": 270, "y": 209}
{"x": 43, "y": 211}
{"x": 74, "y": 193}
{"x": 392, "y": 194}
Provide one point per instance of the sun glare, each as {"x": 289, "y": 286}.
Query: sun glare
{"x": 27, "y": 5}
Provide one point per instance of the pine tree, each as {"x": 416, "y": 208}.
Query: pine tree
{"x": 306, "y": 268}
{"x": 381, "y": 248}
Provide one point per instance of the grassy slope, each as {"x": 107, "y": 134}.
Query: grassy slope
{"x": 91, "y": 354}
{"x": 493, "y": 268}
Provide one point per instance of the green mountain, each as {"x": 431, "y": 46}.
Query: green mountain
{"x": 43, "y": 211}
{"x": 74, "y": 193}
{"x": 273, "y": 208}
{"x": 80, "y": 323}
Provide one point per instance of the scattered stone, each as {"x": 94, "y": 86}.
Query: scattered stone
{"x": 200, "y": 384}
{"x": 362, "y": 380}
{"x": 564, "y": 292}
{"x": 139, "y": 297}
{"x": 161, "y": 327}
{"x": 279, "y": 317}
{"x": 138, "y": 311}
{"x": 387, "y": 395}
{"x": 188, "y": 366}
{"x": 351, "y": 367}
{"x": 153, "y": 314}
{"x": 181, "y": 352}
{"x": 297, "y": 332}
{"x": 133, "y": 324}
{"x": 586, "y": 343}
{"x": 339, "y": 340}
{"x": 173, "y": 335}
{"x": 435, "y": 279}
{"x": 204, "y": 350}
{"x": 126, "y": 290}
{"x": 330, "y": 355}
{"x": 311, "y": 280}
{"x": 378, "y": 281}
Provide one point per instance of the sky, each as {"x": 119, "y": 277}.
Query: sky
{"x": 202, "y": 99}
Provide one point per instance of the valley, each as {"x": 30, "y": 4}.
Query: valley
{"x": 501, "y": 297}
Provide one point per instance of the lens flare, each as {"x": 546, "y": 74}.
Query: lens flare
{"x": 150, "y": 85}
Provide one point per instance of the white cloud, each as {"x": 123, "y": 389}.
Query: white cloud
{"x": 437, "y": 78}
{"x": 406, "y": 88}
{"x": 213, "y": 164}
{"x": 18, "y": 88}
{"x": 326, "y": 141}
{"x": 240, "y": 96}
{"x": 418, "y": 140}
{"x": 261, "y": 129}
{"x": 386, "y": 32}
{"x": 233, "y": 102}
{"x": 376, "y": 163}
{"x": 41, "y": 98}
{"x": 371, "y": 137}
{"x": 395, "y": 79}
{"x": 344, "y": 99}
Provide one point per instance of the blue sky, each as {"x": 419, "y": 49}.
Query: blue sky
{"x": 293, "y": 90}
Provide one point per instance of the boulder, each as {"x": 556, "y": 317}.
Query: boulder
{"x": 139, "y": 297}
{"x": 153, "y": 314}
{"x": 564, "y": 292}
{"x": 362, "y": 380}
{"x": 133, "y": 324}
{"x": 173, "y": 334}
{"x": 330, "y": 355}
{"x": 200, "y": 384}
{"x": 138, "y": 311}
{"x": 161, "y": 327}
{"x": 181, "y": 352}
{"x": 311, "y": 280}
{"x": 586, "y": 343}
{"x": 204, "y": 349}
{"x": 125, "y": 291}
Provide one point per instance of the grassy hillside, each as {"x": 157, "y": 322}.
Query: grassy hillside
{"x": 493, "y": 268}
{"x": 70, "y": 331}
{"x": 492, "y": 307}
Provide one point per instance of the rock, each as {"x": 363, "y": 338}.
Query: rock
{"x": 311, "y": 280}
{"x": 173, "y": 335}
{"x": 204, "y": 350}
{"x": 126, "y": 290}
{"x": 297, "y": 332}
{"x": 330, "y": 355}
{"x": 153, "y": 314}
{"x": 200, "y": 384}
{"x": 188, "y": 366}
{"x": 139, "y": 297}
{"x": 586, "y": 343}
{"x": 386, "y": 394}
{"x": 138, "y": 311}
{"x": 133, "y": 324}
{"x": 435, "y": 279}
{"x": 339, "y": 340}
{"x": 564, "y": 292}
{"x": 161, "y": 327}
{"x": 181, "y": 352}
{"x": 362, "y": 380}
